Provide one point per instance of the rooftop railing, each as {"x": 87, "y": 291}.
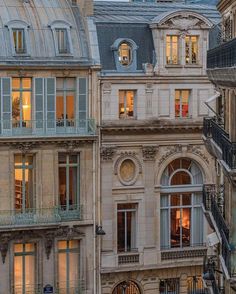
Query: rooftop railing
{"x": 33, "y": 216}
{"x": 81, "y": 127}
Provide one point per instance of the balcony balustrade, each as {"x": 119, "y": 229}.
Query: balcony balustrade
{"x": 222, "y": 56}
{"x": 213, "y": 129}
{"x": 58, "y": 127}
{"x": 33, "y": 216}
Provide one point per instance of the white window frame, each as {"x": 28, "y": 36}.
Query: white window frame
{"x": 181, "y": 104}
{"x": 171, "y": 50}
{"x": 125, "y": 102}
{"x": 190, "y": 50}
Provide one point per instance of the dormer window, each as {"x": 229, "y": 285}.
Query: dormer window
{"x": 19, "y": 41}
{"x": 62, "y": 41}
{"x": 125, "y": 54}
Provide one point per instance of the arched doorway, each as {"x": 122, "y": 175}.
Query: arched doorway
{"x": 181, "y": 198}
{"x": 127, "y": 287}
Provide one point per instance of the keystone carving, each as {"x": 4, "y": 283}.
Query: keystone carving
{"x": 149, "y": 152}
{"x": 107, "y": 153}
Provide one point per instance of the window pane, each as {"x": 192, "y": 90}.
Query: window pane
{"x": 73, "y": 269}
{"x": 130, "y": 103}
{"x": 181, "y": 178}
{"x": 26, "y": 83}
{"x": 15, "y": 83}
{"x": 60, "y": 106}
{"x": 73, "y": 185}
{"x": 175, "y": 227}
{"x": 29, "y": 188}
{"x": 62, "y": 244}
{"x": 177, "y": 103}
{"x": 73, "y": 158}
{"x": 185, "y": 103}
{"x": 62, "y": 158}
{"x": 125, "y": 54}
{"x": 26, "y": 104}
{"x": 18, "y": 272}
{"x": 29, "y": 247}
{"x": 62, "y": 185}
{"x": 70, "y": 106}
{"x": 16, "y": 105}
{"x": 121, "y": 231}
{"x": 122, "y": 103}
{"x": 18, "y": 247}
{"x": 175, "y": 200}
{"x": 186, "y": 219}
{"x": 29, "y": 272}
{"x": 186, "y": 199}
{"x": 62, "y": 277}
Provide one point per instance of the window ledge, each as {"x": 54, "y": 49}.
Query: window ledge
{"x": 21, "y": 55}
{"x": 193, "y": 65}
{"x": 64, "y": 55}
{"x": 173, "y": 65}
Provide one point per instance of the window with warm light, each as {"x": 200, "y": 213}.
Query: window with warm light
{"x": 126, "y": 104}
{"x": 181, "y": 213}
{"x": 172, "y": 49}
{"x": 170, "y": 286}
{"x": 68, "y": 266}
{"x": 126, "y": 227}
{"x": 24, "y": 182}
{"x": 195, "y": 285}
{"x": 24, "y": 268}
{"x": 182, "y": 98}
{"x": 65, "y": 102}
{"x": 191, "y": 49}
{"x": 19, "y": 41}
{"x": 68, "y": 181}
{"x": 21, "y": 102}
{"x": 125, "y": 54}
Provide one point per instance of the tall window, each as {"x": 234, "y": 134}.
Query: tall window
{"x": 68, "y": 266}
{"x": 172, "y": 44}
{"x": 182, "y": 103}
{"x": 125, "y": 54}
{"x": 126, "y": 287}
{"x": 65, "y": 103}
{"x": 19, "y": 41}
{"x": 191, "y": 49}
{"x": 62, "y": 41}
{"x": 169, "y": 286}
{"x": 68, "y": 181}
{"x": 24, "y": 182}
{"x": 21, "y": 102}
{"x": 126, "y": 104}
{"x": 181, "y": 198}
{"x": 195, "y": 285}
{"x": 24, "y": 268}
{"x": 126, "y": 227}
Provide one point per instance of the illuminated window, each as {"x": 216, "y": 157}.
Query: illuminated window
{"x": 191, "y": 49}
{"x": 65, "y": 102}
{"x": 169, "y": 286}
{"x": 126, "y": 227}
{"x": 181, "y": 213}
{"x": 125, "y": 54}
{"x": 24, "y": 268}
{"x": 24, "y": 182}
{"x": 62, "y": 41}
{"x": 126, "y": 104}
{"x": 172, "y": 44}
{"x": 19, "y": 41}
{"x": 195, "y": 285}
{"x": 68, "y": 180}
{"x": 21, "y": 102}
{"x": 182, "y": 103}
{"x": 68, "y": 266}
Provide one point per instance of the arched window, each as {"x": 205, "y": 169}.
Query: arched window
{"x": 126, "y": 288}
{"x": 181, "y": 212}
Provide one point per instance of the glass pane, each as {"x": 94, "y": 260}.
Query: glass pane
{"x": 60, "y": 106}
{"x": 129, "y": 103}
{"x": 70, "y": 106}
{"x": 26, "y": 105}
{"x": 16, "y": 105}
{"x": 18, "y": 160}
{"x": 121, "y": 231}
{"x": 18, "y": 272}
{"x": 186, "y": 199}
{"x": 26, "y": 83}
{"x": 73, "y": 185}
{"x": 60, "y": 82}
{"x": 29, "y": 160}
{"x": 62, "y": 185}
{"x": 174, "y": 50}
{"x": 177, "y": 103}
{"x": 62, "y": 244}
{"x": 175, "y": 200}
{"x": 185, "y": 103}
{"x": 29, "y": 273}
{"x": 15, "y": 83}
{"x": 29, "y": 247}
{"x": 29, "y": 188}
{"x": 62, "y": 277}
{"x": 73, "y": 158}
{"x": 125, "y": 54}
{"x": 18, "y": 248}
{"x": 62, "y": 158}
{"x": 73, "y": 244}
{"x": 18, "y": 188}
{"x": 175, "y": 227}
{"x": 121, "y": 104}
{"x": 70, "y": 83}
{"x": 74, "y": 269}
{"x": 186, "y": 219}
{"x": 181, "y": 178}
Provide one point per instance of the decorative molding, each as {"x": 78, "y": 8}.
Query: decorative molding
{"x": 4, "y": 243}
{"x": 197, "y": 150}
{"x": 170, "y": 151}
{"x": 127, "y": 155}
{"x": 106, "y": 88}
{"x": 149, "y": 152}
{"x": 107, "y": 153}
{"x": 70, "y": 146}
{"x": 182, "y": 254}
{"x": 24, "y": 147}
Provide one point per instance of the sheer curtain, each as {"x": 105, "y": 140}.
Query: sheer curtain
{"x": 133, "y": 230}
{"x": 165, "y": 225}
{"x": 197, "y": 221}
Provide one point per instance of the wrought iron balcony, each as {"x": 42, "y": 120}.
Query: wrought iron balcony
{"x": 214, "y": 129}
{"x": 33, "y": 216}
{"x": 85, "y": 127}
{"x": 222, "y": 56}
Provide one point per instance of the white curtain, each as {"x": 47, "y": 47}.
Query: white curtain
{"x": 196, "y": 173}
{"x": 197, "y": 226}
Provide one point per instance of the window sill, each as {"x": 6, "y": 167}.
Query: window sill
{"x": 21, "y": 55}
{"x": 64, "y": 55}
{"x": 193, "y": 65}
{"x": 173, "y": 65}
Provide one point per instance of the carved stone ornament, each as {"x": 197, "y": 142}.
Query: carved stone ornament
{"x": 4, "y": 244}
{"x": 197, "y": 150}
{"x": 107, "y": 153}
{"x": 170, "y": 151}
{"x": 24, "y": 147}
{"x": 70, "y": 146}
{"x": 184, "y": 22}
{"x": 149, "y": 152}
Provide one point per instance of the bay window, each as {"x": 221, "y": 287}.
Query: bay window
{"x": 126, "y": 227}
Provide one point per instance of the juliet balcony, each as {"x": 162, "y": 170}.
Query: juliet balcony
{"x": 219, "y": 143}
{"x": 213, "y": 206}
{"x": 221, "y": 63}
{"x": 45, "y": 128}
{"x": 41, "y": 216}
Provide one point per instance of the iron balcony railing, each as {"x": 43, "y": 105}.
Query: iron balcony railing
{"x": 81, "y": 127}
{"x": 222, "y": 56}
{"x": 213, "y": 129}
{"x": 33, "y": 216}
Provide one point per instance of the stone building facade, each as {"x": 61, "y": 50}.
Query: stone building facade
{"x": 48, "y": 147}
{"x": 153, "y": 160}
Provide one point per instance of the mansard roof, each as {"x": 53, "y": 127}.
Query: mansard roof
{"x": 39, "y": 18}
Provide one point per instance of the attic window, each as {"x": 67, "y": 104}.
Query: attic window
{"x": 125, "y": 54}
{"x": 62, "y": 41}
{"x": 19, "y": 41}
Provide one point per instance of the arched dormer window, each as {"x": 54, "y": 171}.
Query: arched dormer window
{"x": 19, "y": 37}
{"x": 61, "y": 31}
{"x": 125, "y": 55}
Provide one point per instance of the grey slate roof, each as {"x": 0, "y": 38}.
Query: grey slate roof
{"x": 132, "y": 12}
{"x": 38, "y": 15}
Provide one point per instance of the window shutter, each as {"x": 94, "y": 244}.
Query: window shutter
{"x": 39, "y": 95}
{"x": 82, "y": 101}
{"x": 50, "y": 88}
{"x": 6, "y": 105}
